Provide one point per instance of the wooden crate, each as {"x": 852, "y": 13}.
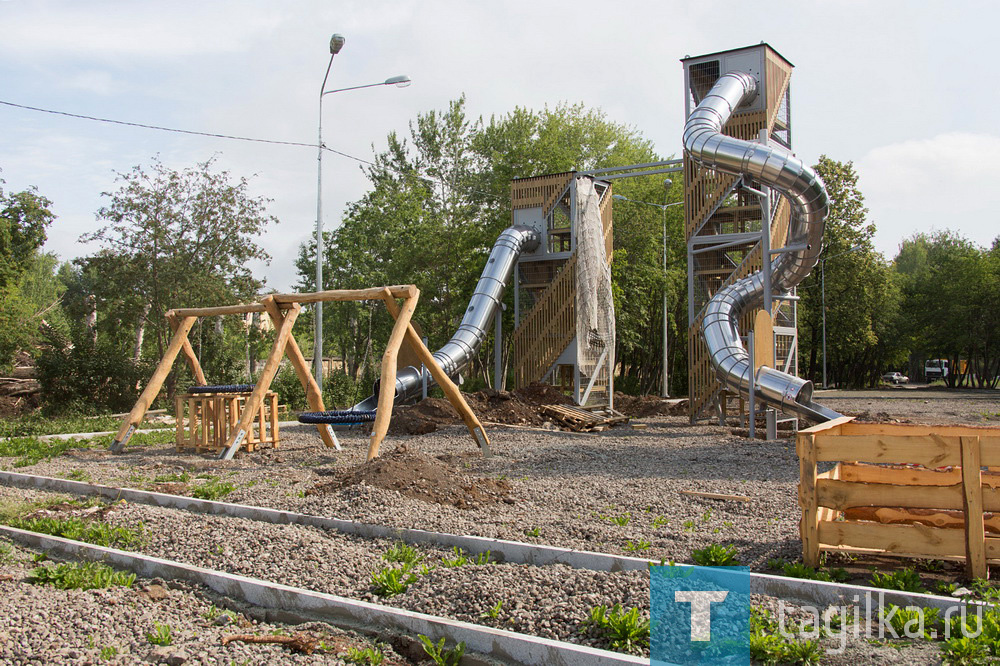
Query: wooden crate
{"x": 212, "y": 417}
{"x": 903, "y": 490}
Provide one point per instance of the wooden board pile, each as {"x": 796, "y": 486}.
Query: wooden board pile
{"x": 580, "y": 420}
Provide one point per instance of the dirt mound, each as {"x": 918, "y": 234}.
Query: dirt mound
{"x": 505, "y": 407}
{"x": 424, "y": 417}
{"x": 423, "y": 477}
{"x": 877, "y": 417}
{"x": 542, "y": 394}
{"x": 647, "y": 405}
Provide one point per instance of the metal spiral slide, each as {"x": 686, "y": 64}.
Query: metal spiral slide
{"x": 780, "y": 169}
{"x": 464, "y": 345}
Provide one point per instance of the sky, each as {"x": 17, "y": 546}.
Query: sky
{"x": 902, "y": 89}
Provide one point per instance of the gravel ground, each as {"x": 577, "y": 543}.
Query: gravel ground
{"x": 612, "y": 492}
{"x": 41, "y": 624}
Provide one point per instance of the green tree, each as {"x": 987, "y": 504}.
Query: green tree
{"x": 24, "y": 217}
{"x": 862, "y": 299}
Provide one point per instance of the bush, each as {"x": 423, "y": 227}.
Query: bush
{"x": 89, "y": 378}
{"x": 289, "y": 389}
{"x": 340, "y": 391}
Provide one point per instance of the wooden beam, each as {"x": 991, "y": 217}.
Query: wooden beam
{"x": 928, "y": 450}
{"x": 450, "y": 389}
{"x": 809, "y": 522}
{"x": 314, "y": 395}
{"x": 187, "y": 350}
{"x": 717, "y": 496}
{"x": 975, "y": 531}
{"x": 219, "y": 310}
{"x": 397, "y": 291}
{"x": 256, "y": 399}
{"x": 387, "y": 386}
{"x": 149, "y": 393}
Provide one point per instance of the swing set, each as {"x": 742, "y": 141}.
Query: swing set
{"x": 284, "y": 309}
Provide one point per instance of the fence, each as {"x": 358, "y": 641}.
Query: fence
{"x": 904, "y": 490}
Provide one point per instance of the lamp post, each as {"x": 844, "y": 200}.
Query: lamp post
{"x": 336, "y": 43}
{"x": 822, "y": 282}
{"x": 663, "y": 207}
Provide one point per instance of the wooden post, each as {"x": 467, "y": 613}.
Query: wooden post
{"x": 192, "y": 358}
{"x": 263, "y": 382}
{"x": 763, "y": 341}
{"x": 809, "y": 525}
{"x": 193, "y": 423}
{"x": 387, "y": 388}
{"x": 972, "y": 501}
{"x": 451, "y": 390}
{"x": 179, "y": 422}
{"x": 134, "y": 418}
{"x": 274, "y": 420}
{"x": 314, "y": 394}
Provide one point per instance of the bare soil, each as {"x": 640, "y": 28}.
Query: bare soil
{"x": 417, "y": 475}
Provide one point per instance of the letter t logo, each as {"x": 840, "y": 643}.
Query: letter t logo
{"x": 701, "y": 610}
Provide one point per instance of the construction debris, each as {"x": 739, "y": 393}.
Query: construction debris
{"x": 581, "y": 420}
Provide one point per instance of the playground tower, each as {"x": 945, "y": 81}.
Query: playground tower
{"x": 562, "y": 290}
{"x": 728, "y": 226}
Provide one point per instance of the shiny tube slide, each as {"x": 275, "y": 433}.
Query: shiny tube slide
{"x": 465, "y": 343}
{"x": 780, "y": 169}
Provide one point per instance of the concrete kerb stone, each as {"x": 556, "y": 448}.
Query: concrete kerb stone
{"x": 302, "y": 605}
{"x": 819, "y": 593}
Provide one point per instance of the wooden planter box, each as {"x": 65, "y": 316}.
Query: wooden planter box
{"x": 904, "y": 490}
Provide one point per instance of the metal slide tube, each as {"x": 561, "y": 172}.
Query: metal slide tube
{"x": 780, "y": 169}
{"x": 485, "y": 301}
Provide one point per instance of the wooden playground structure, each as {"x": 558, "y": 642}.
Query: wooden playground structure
{"x": 284, "y": 309}
{"x": 903, "y": 490}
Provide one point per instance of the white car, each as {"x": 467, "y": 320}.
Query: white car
{"x": 895, "y": 378}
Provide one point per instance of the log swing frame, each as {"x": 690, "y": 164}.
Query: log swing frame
{"x": 284, "y": 309}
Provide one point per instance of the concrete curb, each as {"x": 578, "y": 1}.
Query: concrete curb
{"x": 85, "y": 435}
{"x": 800, "y": 590}
{"x": 305, "y": 605}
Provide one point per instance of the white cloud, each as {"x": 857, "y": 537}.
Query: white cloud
{"x": 948, "y": 181}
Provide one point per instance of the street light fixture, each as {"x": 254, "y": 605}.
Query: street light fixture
{"x": 822, "y": 280}
{"x": 336, "y": 44}
{"x": 663, "y": 207}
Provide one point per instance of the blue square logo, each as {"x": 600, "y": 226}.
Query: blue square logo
{"x": 699, "y": 615}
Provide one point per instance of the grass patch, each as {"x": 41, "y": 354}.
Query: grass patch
{"x": 183, "y": 477}
{"x": 768, "y": 646}
{"x": 390, "y": 581}
{"x": 638, "y": 546}
{"x": 715, "y": 555}
{"x": 905, "y": 580}
{"x": 212, "y": 489}
{"x": 75, "y": 576}
{"x": 400, "y": 552}
{"x": 441, "y": 655}
{"x": 620, "y": 630}
{"x": 161, "y": 634}
{"x": 367, "y": 657}
{"x": 460, "y": 560}
{"x": 95, "y": 532}
{"x": 799, "y": 570}
{"x": 36, "y": 424}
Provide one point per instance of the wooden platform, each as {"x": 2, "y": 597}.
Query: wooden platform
{"x": 581, "y": 420}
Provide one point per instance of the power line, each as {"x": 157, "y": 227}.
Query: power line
{"x": 232, "y": 137}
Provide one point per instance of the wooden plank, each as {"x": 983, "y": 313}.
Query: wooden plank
{"x": 387, "y": 387}
{"x": 717, "y": 496}
{"x": 263, "y": 384}
{"x": 906, "y": 476}
{"x": 972, "y": 485}
{"x": 856, "y": 428}
{"x": 841, "y": 495}
{"x": 763, "y": 341}
{"x": 825, "y": 512}
{"x": 450, "y": 389}
{"x": 929, "y": 451}
{"x": 928, "y": 541}
{"x": 807, "y": 501}
{"x": 830, "y": 427}
{"x": 397, "y": 291}
{"x": 149, "y": 393}
{"x": 179, "y": 422}
{"x": 314, "y": 395}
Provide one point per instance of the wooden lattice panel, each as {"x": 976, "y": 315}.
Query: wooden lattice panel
{"x": 547, "y": 328}
{"x": 536, "y": 191}
{"x": 608, "y": 223}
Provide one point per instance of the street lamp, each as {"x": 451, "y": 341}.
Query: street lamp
{"x": 663, "y": 207}
{"x": 336, "y": 43}
{"x": 822, "y": 281}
